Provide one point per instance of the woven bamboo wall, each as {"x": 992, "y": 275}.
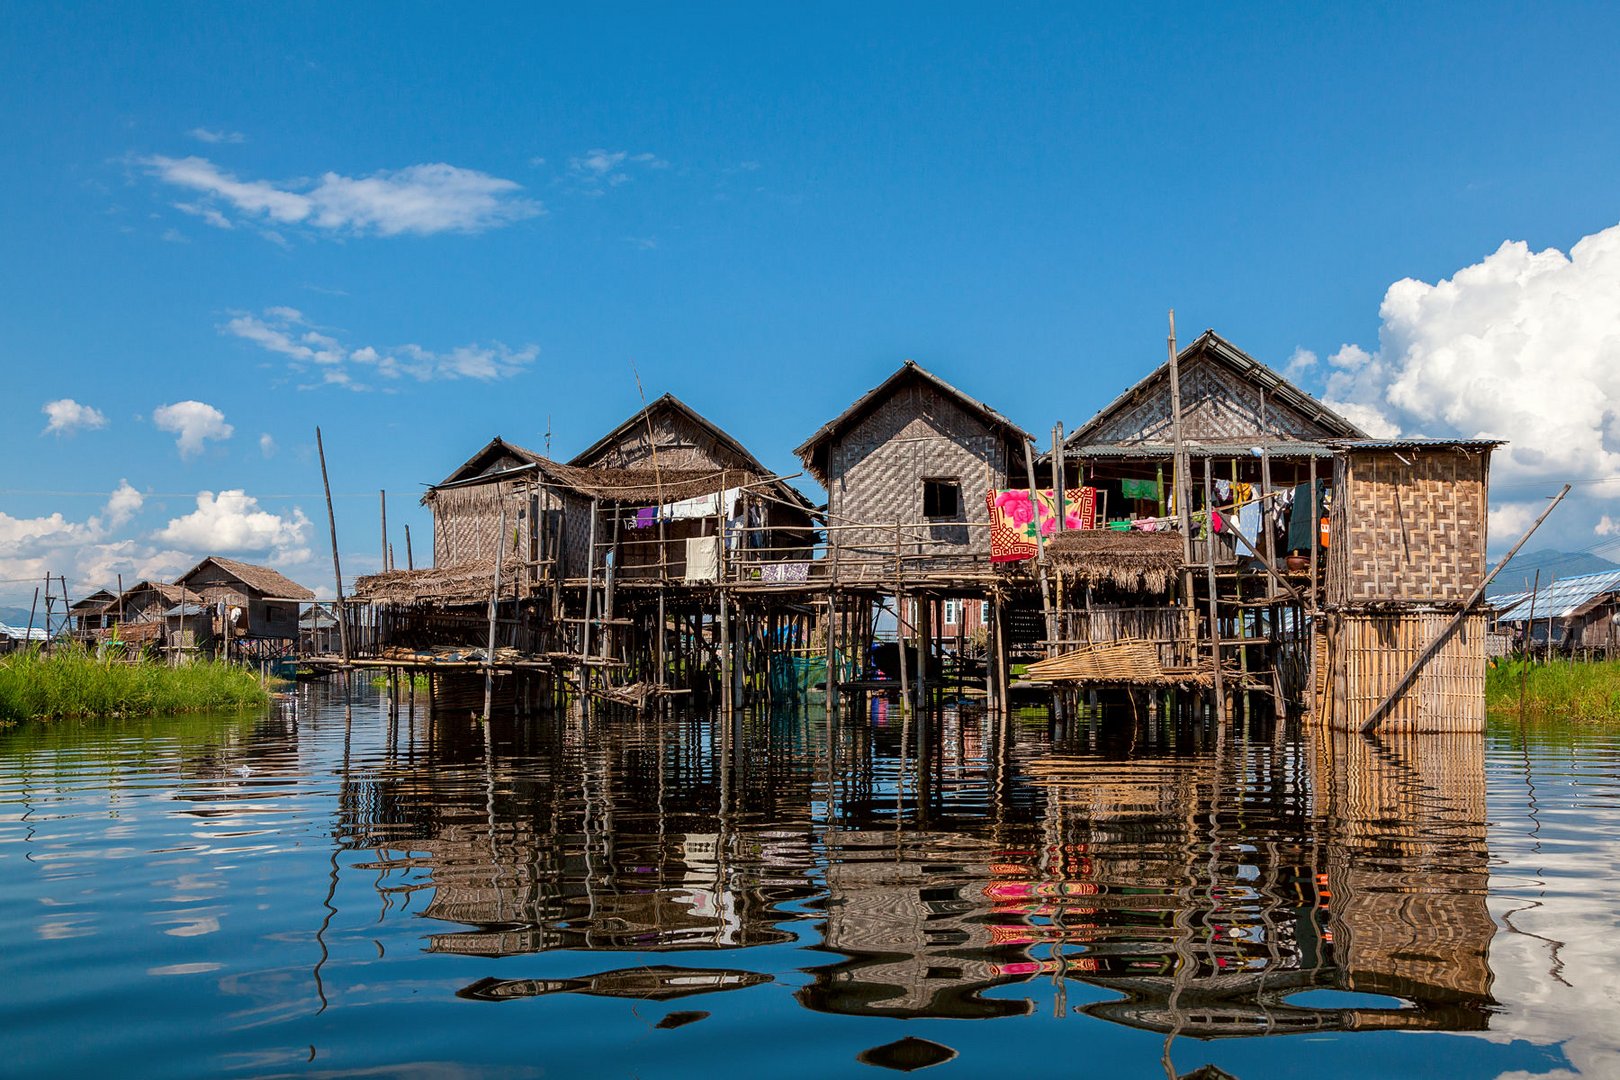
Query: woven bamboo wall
{"x": 680, "y": 443}
{"x": 1215, "y": 404}
{"x": 466, "y": 520}
{"x": 876, "y": 470}
{"x": 1362, "y": 656}
{"x": 1408, "y": 525}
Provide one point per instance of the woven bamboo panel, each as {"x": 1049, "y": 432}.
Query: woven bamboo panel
{"x": 1365, "y": 655}
{"x": 1407, "y": 526}
{"x": 1215, "y": 404}
{"x": 876, "y": 474}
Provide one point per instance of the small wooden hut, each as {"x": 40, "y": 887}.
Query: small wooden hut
{"x": 95, "y": 612}
{"x": 255, "y": 607}
{"x": 1408, "y": 529}
{"x": 906, "y": 468}
{"x": 1578, "y": 616}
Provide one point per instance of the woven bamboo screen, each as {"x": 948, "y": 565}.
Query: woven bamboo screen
{"x": 466, "y": 520}
{"x": 1408, "y": 525}
{"x": 1365, "y": 654}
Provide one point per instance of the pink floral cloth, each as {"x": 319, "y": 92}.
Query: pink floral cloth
{"x": 1015, "y": 517}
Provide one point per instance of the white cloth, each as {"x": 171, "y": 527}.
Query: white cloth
{"x": 1248, "y": 523}
{"x": 702, "y": 558}
{"x": 704, "y": 506}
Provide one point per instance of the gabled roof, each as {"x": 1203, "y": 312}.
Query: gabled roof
{"x": 96, "y": 601}
{"x": 1212, "y": 347}
{"x": 668, "y": 403}
{"x": 1563, "y": 599}
{"x": 488, "y": 454}
{"x": 261, "y": 579}
{"x": 174, "y": 594}
{"x": 811, "y": 451}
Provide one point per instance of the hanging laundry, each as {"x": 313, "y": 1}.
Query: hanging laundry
{"x": 645, "y": 518}
{"x": 1242, "y": 494}
{"x": 1139, "y": 489}
{"x": 784, "y": 572}
{"x": 1016, "y": 520}
{"x": 702, "y": 558}
{"x": 1303, "y": 517}
{"x": 1223, "y": 490}
{"x": 1248, "y": 523}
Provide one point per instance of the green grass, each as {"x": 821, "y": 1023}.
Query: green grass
{"x": 1576, "y": 691}
{"x": 70, "y": 682}
{"x": 419, "y": 678}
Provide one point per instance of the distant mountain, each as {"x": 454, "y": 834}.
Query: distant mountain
{"x": 1518, "y": 574}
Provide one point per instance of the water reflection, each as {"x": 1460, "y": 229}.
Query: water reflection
{"x": 1131, "y": 882}
{"x": 1206, "y": 883}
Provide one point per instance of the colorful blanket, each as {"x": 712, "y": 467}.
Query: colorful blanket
{"x": 1014, "y": 519}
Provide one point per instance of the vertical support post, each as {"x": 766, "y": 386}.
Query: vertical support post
{"x": 590, "y": 597}
{"x": 900, "y": 635}
{"x": 494, "y": 604}
{"x": 410, "y": 562}
{"x": 337, "y": 569}
{"x": 1529, "y": 639}
{"x": 1214, "y": 607}
{"x": 1040, "y": 547}
{"x": 1310, "y": 637}
{"x": 382, "y": 504}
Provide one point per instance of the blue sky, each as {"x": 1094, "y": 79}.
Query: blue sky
{"x": 421, "y": 227}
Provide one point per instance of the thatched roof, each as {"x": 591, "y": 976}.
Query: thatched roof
{"x": 644, "y": 485}
{"x": 174, "y": 594}
{"x": 261, "y": 579}
{"x": 1128, "y": 561}
{"x": 464, "y": 583}
{"x": 813, "y": 451}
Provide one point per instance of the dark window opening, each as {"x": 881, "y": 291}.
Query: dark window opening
{"x": 942, "y": 499}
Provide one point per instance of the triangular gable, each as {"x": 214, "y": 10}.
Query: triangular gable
{"x": 1221, "y": 390}
{"x": 813, "y": 451}
{"x": 683, "y": 439}
{"x": 496, "y": 456}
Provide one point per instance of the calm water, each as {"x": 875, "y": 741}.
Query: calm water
{"x": 601, "y": 895}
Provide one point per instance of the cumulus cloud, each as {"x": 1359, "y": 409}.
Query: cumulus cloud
{"x": 1524, "y": 346}
{"x": 286, "y": 332}
{"x": 267, "y": 445}
{"x": 193, "y": 423}
{"x": 418, "y": 199}
{"x": 595, "y": 171}
{"x": 232, "y": 522}
{"x": 65, "y": 416}
{"x": 88, "y": 553}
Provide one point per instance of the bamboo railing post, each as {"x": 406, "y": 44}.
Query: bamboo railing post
{"x": 1456, "y": 620}
{"x": 1214, "y": 606}
{"x": 494, "y": 604}
{"x": 337, "y": 569}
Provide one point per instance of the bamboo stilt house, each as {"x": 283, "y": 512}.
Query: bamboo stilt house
{"x": 253, "y": 605}
{"x": 1408, "y": 527}
{"x": 917, "y": 453}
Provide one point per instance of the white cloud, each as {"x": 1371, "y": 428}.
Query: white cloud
{"x": 1523, "y": 346}
{"x": 86, "y": 552}
{"x": 209, "y": 215}
{"x": 286, "y": 332}
{"x": 232, "y": 522}
{"x": 193, "y": 423}
{"x": 65, "y": 416}
{"x": 267, "y": 445}
{"x": 418, "y": 199}
{"x": 594, "y": 171}
{"x": 1301, "y": 363}
{"x": 202, "y": 134}
{"x": 122, "y": 505}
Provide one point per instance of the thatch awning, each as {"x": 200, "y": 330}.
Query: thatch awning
{"x": 1128, "y": 561}
{"x": 646, "y": 486}
{"x": 464, "y": 583}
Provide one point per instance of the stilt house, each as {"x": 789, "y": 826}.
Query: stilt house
{"x": 906, "y": 468}
{"x": 254, "y": 606}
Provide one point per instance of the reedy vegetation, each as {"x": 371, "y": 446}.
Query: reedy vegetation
{"x": 70, "y": 682}
{"x": 1577, "y": 691}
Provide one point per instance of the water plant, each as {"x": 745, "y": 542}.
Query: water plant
{"x": 1574, "y": 690}
{"x": 70, "y": 682}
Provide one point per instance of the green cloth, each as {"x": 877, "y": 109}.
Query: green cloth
{"x": 1300, "y": 520}
{"x": 1120, "y": 526}
{"x": 1139, "y": 489}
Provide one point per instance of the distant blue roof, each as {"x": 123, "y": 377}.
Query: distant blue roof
{"x": 1560, "y": 600}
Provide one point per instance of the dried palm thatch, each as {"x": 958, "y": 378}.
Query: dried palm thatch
{"x": 1127, "y": 662}
{"x": 463, "y": 583}
{"x": 1128, "y": 561}
{"x": 644, "y": 485}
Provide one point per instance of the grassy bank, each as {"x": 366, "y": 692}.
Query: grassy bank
{"x": 70, "y": 682}
{"x": 1579, "y": 691}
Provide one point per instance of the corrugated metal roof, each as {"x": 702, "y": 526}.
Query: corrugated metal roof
{"x": 1415, "y": 444}
{"x": 1240, "y": 447}
{"x": 1564, "y": 598}
{"x": 22, "y": 633}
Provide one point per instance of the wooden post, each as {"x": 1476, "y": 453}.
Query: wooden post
{"x": 1524, "y": 672}
{"x": 1040, "y": 545}
{"x": 1313, "y": 610}
{"x": 900, "y": 637}
{"x": 590, "y": 585}
{"x": 29, "y": 636}
{"x": 337, "y": 569}
{"x": 382, "y": 503}
{"x": 410, "y": 563}
{"x": 494, "y": 605}
{"x": 1214, "y": 607}
{"x": 1183, "y": 489}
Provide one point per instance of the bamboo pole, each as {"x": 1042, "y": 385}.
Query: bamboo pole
{"x": 1445, "y": 633}
{"x": 1214, "y": 606}
{"x": 1524, "y": 672}
{"x": 494, "y": 605}
{"x": 1179, "y": 481}
{"x": 382, "y": 503}
{"x": 337, "y": 569}
{"x": 410, "y": 563}
{"x": 29, "y": 634}
{"x": 900, "y": 638}
{"x": 1040, "y": 543}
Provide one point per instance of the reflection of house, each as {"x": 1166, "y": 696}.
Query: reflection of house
{"x": 914, "y": 931}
